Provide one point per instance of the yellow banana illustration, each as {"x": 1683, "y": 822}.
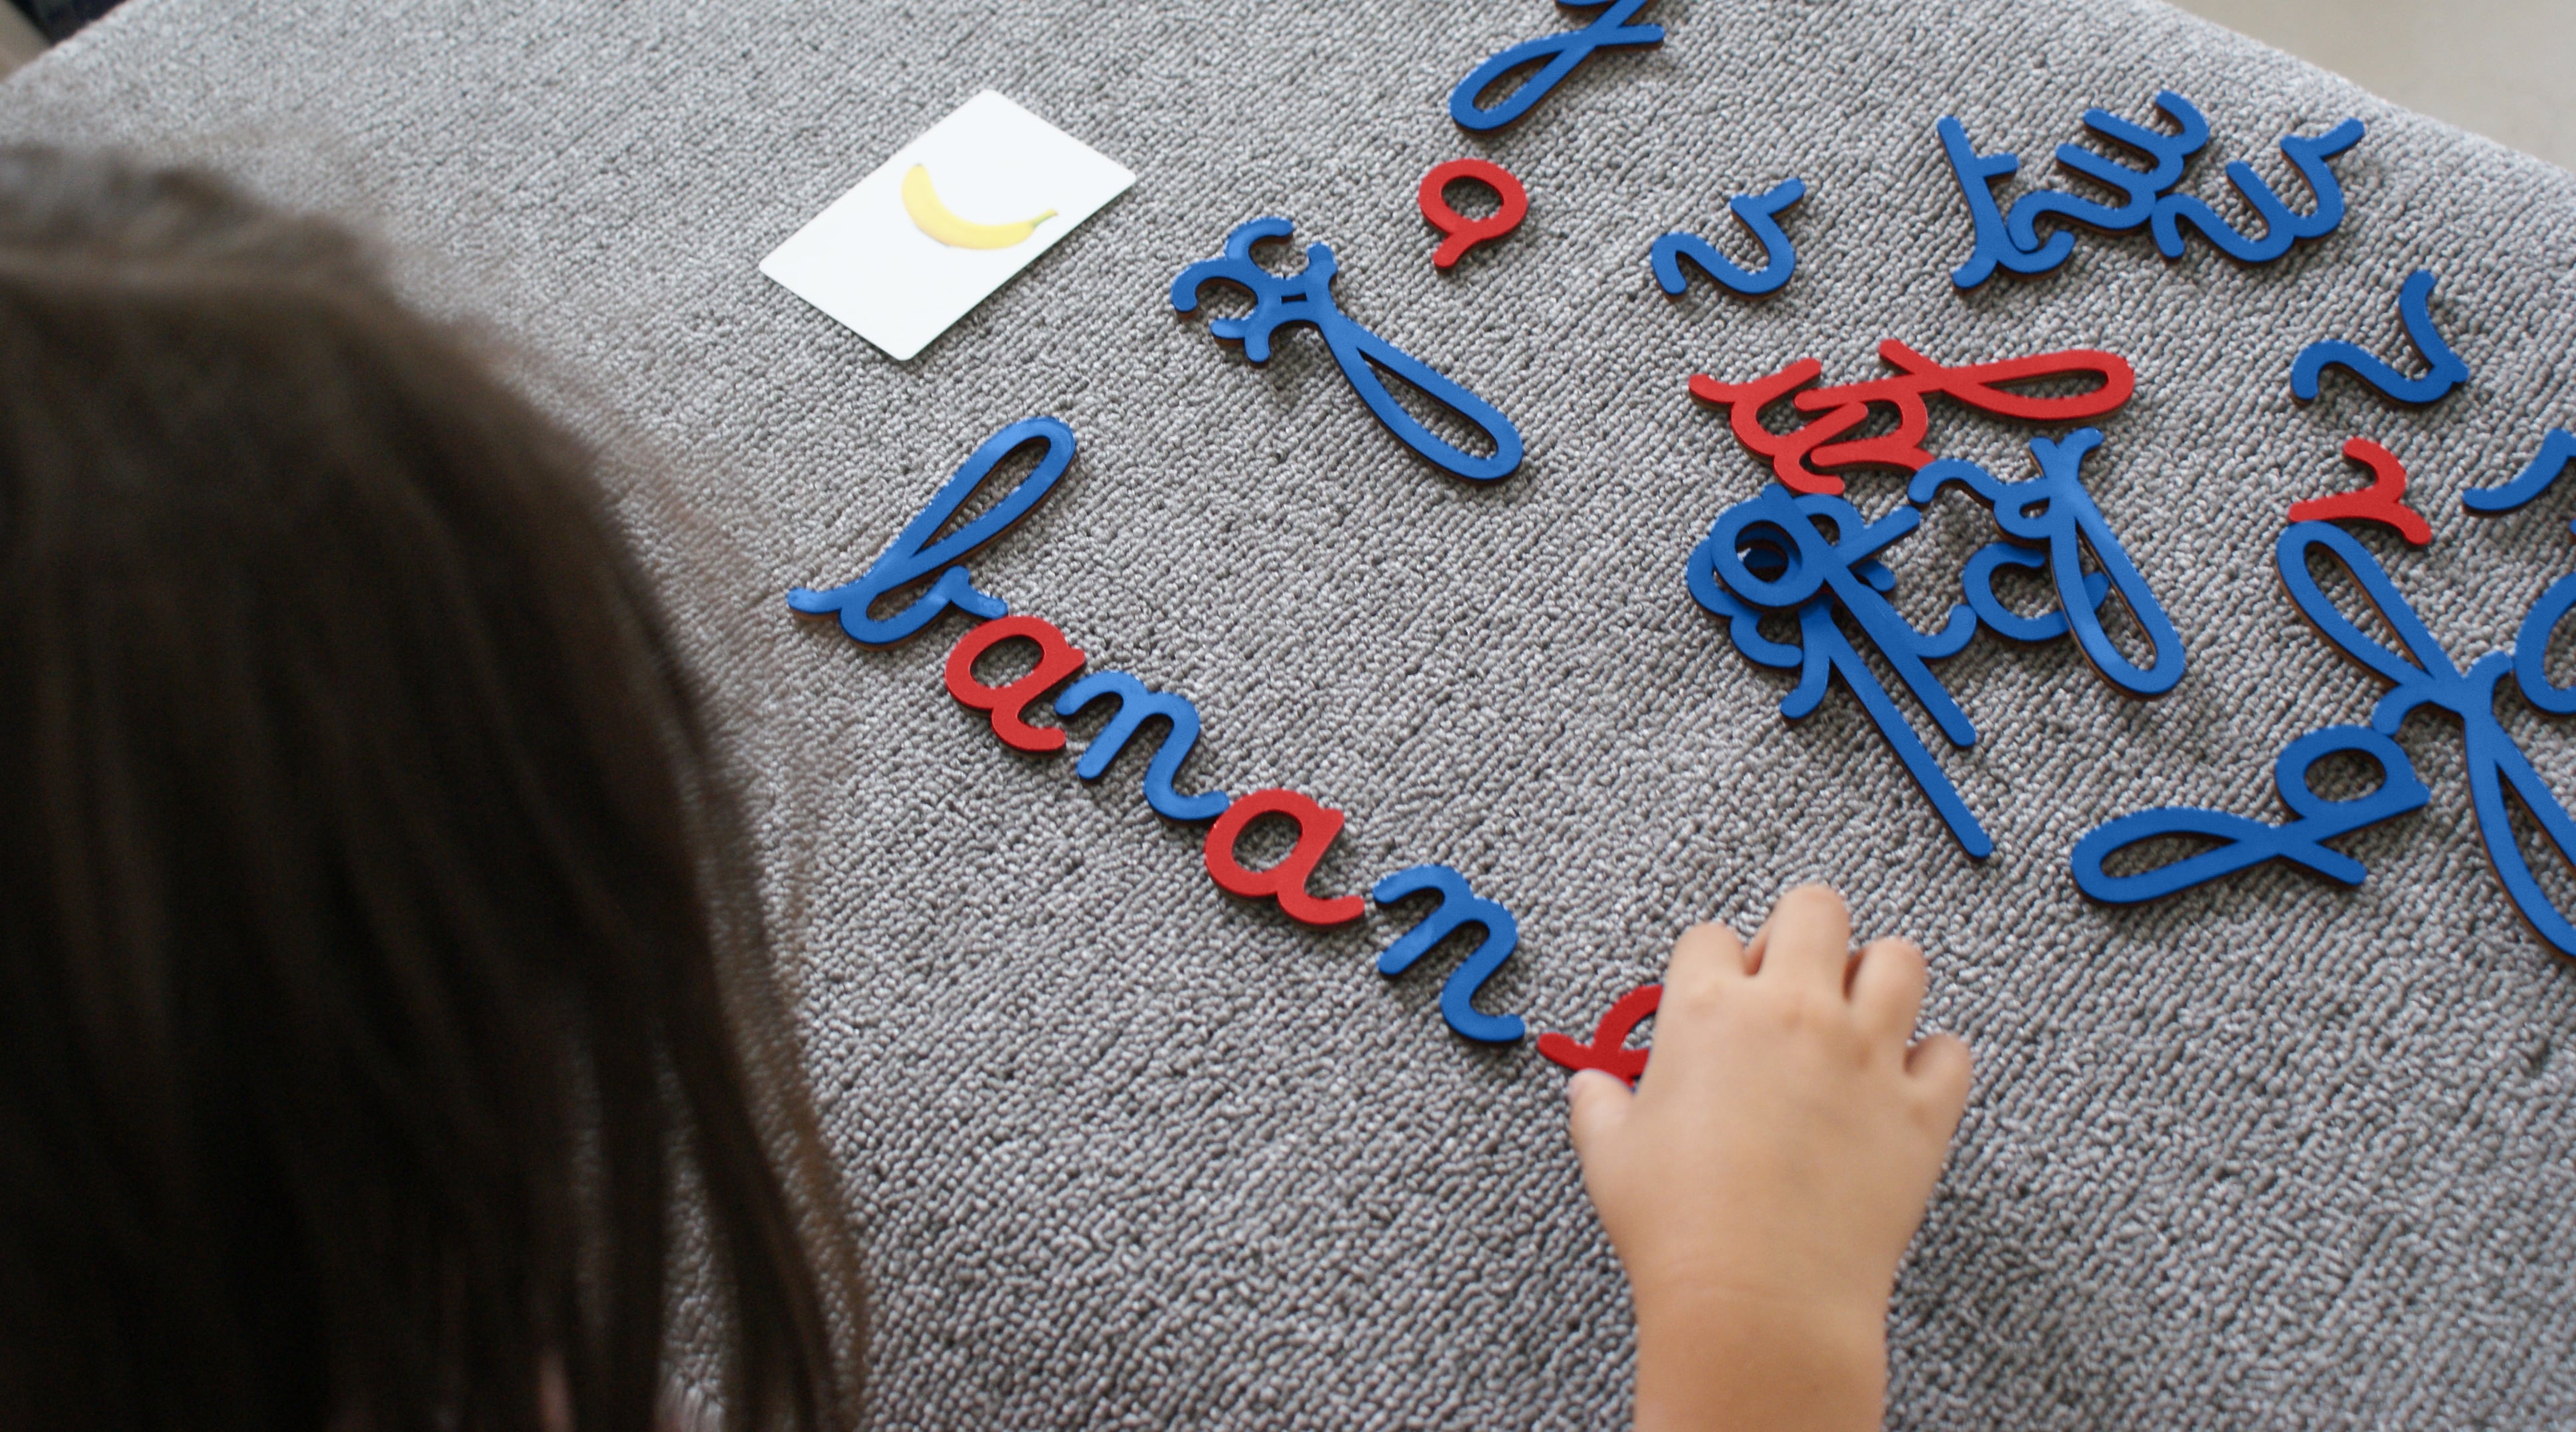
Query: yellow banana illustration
{"x": 922, "y": 203}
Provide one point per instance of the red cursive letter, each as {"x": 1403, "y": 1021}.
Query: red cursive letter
{"x": 1316, "y": 828}
{"x": 2383, "y": 501}
{"x": 1609, "y": 1051}
{"x": 1056, "y": 660}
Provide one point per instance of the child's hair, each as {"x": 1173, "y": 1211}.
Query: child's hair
{"x": 378, "y": 950}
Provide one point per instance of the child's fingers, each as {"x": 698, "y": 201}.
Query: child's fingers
{"x": 1707, "y": 961}
{"x": 1809, "y": 938}
{"x": 1598, "y": 1104}
{"x": 1705, "y": 956}
{"x": 1887, "y": 988}
{"x": 1941, "y": 1067}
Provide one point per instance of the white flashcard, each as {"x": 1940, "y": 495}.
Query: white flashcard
{"x": 950, "y": 218}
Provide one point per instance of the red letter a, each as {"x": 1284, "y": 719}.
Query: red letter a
{"x": 1316, "y": 828}
{"x": 1056, "y": 660}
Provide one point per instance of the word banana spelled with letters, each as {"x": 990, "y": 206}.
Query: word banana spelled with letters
{"x": 914, "y": 558}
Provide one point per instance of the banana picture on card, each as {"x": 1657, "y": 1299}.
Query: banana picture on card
{"x": 951, "y": 217}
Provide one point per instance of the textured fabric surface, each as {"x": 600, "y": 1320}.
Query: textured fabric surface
{"x": 1130, "y": 1152}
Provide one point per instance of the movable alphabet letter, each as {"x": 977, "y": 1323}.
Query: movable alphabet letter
{"x": 1978, "y": 174}
{"x": 2557, "y": 452}
{"x": 1462, "y": 233}
{"x": 1760, "y": 213}
{"x": 2384, "y": 501}
{"x": 2424, "y": 675}
{"x": 1768, "y": 555}
{"x": 2415, "y": 306}
{"x": 2531, "y": 650}
{"x": 1609, "y": 1051}
{"x": 1136, "y": 706}
{"x": 2054, "y": 512}
{"x": 1307, "y": 297}
{"x": 2245, "y": 843}
{"x": 2141, "y": 187}
{"x": 1458, "y": 906}
{"x": 913, "y": 555}
{"x": 1056, "y": 660}
{"x": 1977, "y": 584}
{"x": 2282, "y": 229}
{"x": 1798, "y": 455}
{"x": 1564, "y": 53}
{"x": 1317, "y": 827}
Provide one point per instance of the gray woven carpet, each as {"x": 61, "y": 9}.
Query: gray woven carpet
{"x": 1131, "y": 1152}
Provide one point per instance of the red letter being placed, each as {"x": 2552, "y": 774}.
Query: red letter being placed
{"x": 1316, "y": 827}
{"x": 1056, "y": 660}
{"x": 1609, "y": 1051}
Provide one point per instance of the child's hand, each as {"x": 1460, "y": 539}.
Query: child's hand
{"x": 1762, "y": 1182}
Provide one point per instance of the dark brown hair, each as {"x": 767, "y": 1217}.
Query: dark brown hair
{"x": 377, "y": 949}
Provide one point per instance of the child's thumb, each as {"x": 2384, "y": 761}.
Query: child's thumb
{"x": 1599, "y": 1106}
